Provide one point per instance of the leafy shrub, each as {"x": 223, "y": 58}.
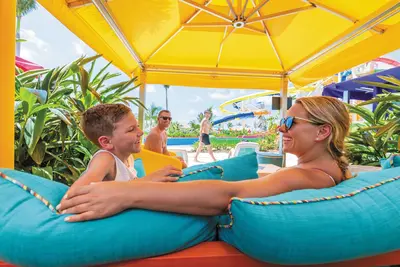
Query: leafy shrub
{"x": 48, "y": 139}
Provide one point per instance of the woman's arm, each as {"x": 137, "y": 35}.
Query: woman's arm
{"x": 198, "y": 197}
{"x": 212, "y": 197}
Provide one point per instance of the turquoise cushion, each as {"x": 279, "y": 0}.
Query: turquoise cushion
{"x": 337, "y": 229}
{"x": 235, "y": 169}
{"x": 202, "y": 173}
{"x": 33, "y": 235}
{"x": 246, "y": 150}
{"x": 391, "y": 162}
{"x": 138, "y": 165}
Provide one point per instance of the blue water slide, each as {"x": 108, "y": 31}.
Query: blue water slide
{"x": 232, "y": 117}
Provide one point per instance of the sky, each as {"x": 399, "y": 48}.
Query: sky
{"x": 51, "y": 44}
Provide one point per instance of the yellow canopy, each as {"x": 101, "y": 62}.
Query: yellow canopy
{"x": 233, "y": 43}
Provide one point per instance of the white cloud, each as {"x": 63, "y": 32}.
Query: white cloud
{"x": 29, "y": 54}
{"x": 218, "y": 95}
{"x": 150, "y": 88}
{"x": 196, "y": 99}
{"x": 33, "y": 47}
{"x": 31, "y": 37}
{"x": 80, "y": 48}
{"x": 217, "y": 112}
{"x": 193, "y": 112}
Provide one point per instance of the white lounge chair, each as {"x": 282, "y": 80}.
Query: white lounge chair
{"x": 180, "y": 153}
{"x": 244, "y": 148}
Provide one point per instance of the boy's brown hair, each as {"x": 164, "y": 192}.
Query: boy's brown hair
{"x": 100, "y": 119}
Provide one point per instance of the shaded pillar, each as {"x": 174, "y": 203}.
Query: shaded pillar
{"x": 7, "y": 78}
{"x": 142, "y": 97}
{"x": 284, "y": 91}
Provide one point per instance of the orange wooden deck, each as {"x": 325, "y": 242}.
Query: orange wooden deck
{"x": 219, "y": 254}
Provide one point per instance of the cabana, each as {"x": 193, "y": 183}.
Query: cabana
{"x": 251, "y": 44}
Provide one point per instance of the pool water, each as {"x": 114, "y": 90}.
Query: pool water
{"x": 179, "y": 141}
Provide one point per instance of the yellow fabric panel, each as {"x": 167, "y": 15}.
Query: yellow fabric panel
{"x": 7, "y": 74}
{"x": 242, "y": 50}
{"x": 154, "y": 161}
{"x": 79, "y": 21}
{"x": 365, "y": 47}
{"x": 184, "y": 49}
{"x": 294, "y": 44}
{"x": 90, "y": 15}
{"x": 277, "y": 6}
{"x": 355, "y": 9}
{"x": 146, "y": 24}
{"x": 248, "y": 50}
{"x": 210, "y": 81}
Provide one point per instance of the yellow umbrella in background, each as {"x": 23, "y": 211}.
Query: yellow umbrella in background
{"x": 248, "y": 44}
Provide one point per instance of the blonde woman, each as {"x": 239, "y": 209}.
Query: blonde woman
{"x": 314, "y": 130}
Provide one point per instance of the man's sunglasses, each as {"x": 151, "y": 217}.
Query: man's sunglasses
{"x": 287, "y": 123}
{"x": 166, "y": 118}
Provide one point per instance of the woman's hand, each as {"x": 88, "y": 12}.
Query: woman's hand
{"x": 95, "y": 201}
{"x": 166, "y": 174}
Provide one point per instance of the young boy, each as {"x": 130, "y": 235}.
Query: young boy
{"x": 114, "y": 129}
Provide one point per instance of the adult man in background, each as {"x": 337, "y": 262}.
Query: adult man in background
{"x": 156, "y": 141}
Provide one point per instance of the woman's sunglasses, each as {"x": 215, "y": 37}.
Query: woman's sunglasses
{"x": 287, "y": 123}
{"x": 166, "y": 118}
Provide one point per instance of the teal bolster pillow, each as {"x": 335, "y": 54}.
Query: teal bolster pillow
{"x": 391, "y": 162}
{"x": 203, "y": 173}
{"x": 138, "y": 165}
{"x": 355, "y": 219}
{"x": 32, "y": 234}
{"x": 234, "y": 169}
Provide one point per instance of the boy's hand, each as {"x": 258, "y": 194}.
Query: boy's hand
{"x": 184, "y": 165}
{"x": 167, "y": 174}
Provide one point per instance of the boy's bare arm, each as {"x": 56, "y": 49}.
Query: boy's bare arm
{"x": 100, "y": 166}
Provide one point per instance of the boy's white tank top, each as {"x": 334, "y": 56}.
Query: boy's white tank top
{"x": 123, "y": 173}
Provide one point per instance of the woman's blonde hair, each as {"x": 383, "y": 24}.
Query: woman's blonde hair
{"x": 329, "y": 110}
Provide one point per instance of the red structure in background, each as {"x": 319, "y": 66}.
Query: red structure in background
{"x": 26, "y": 65}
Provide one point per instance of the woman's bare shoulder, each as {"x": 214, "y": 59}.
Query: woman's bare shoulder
{"x": 300, "y": 178}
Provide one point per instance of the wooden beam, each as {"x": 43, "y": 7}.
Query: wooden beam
{"x": 7, "y": 78}
{"x": 77, "y": 3}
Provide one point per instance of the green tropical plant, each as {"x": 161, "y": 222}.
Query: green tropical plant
{"x": 151, "y": 116}
{"x": 270, "y": 142}
{"x": 378, "y": 136}
{"x": 49, "y": 140}
{"x": 194, "y": 125}
{"x": 23, "y": 8}
{"x": 175, "y": 126}
{"x": 200, "y": 116}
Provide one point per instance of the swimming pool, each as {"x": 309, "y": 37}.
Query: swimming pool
{"x": 180, "y": 141}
